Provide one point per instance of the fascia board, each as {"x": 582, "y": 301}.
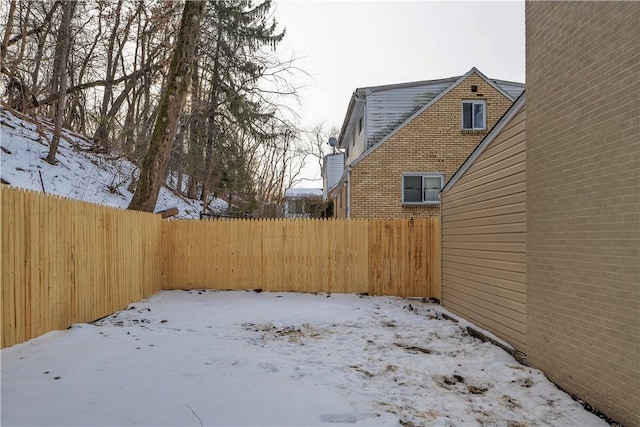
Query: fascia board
{"x": 356, "y": 104}
{"x": 494, "y": 85}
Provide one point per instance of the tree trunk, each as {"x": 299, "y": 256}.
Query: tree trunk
{"x": 153, "y": 171}
{"x": 194, "y": 151}
{"x": 7, "y": 31}
{"x": 101, "y": 135}
{"x": 60, "y": 75}
{"x": 211, "y": 139}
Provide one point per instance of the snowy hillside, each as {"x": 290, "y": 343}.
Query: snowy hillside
{"x": 79, "y": 174}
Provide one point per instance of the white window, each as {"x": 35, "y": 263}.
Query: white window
{"x": 473, "y": 115}
{"x": 422, "y": 188}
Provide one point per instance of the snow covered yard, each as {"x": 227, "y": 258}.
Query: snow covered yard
{"x": 278, "y": 359}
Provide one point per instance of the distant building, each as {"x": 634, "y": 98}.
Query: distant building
{"x": 402, "y": 142}
{"x": 332, "y": 168}
{"x": 303, "y": 203}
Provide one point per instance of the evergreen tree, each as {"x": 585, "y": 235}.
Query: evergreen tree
{"x": 153, "y": 171}
{"x": 236, "y": 35}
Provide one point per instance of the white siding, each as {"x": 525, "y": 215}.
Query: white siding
{"x": 353, "y": 138}
{"x": 332, "y": 170}
{"x": 359, "y": 143}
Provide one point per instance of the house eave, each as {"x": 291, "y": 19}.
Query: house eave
{"x": 357, "y": 97}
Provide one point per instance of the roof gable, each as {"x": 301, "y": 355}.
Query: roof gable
{"x": 433, "y": 100}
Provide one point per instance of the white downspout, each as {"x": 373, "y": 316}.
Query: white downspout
{"x": 349, "y": 192}
{"x": 441, "y": 254}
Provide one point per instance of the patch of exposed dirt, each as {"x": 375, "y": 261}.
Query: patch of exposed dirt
{"x": 476, "y": 390}
{"x": 414, "y": 349}
{"x": 290, "y": 333}
{"x": 115, "y": 320}
{"x": 360, "y": 369}
{"x": 524, "y": 382}
{"x": 510, "y": 402}
{"x": 446, "y": 381}
{"x": 389, "y": 369}
{"x": 405, "y": 412}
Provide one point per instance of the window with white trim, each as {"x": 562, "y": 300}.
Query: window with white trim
{"x": 473, "y": 115}
{"x": 422, "y": 188}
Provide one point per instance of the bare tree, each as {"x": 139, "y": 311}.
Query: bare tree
{"x": 239, "y": 138}
{"x": 60, "y": 75}
{"x": 7, "y": 31}
{"x": 317, "y": 145}
{"x": 114, "y": 55}
{"x": 153, "y": 171}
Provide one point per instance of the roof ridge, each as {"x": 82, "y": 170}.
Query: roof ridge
{"x": 409, "y": 84}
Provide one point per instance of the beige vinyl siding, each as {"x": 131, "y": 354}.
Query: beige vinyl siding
{"x": 484, "y": 238}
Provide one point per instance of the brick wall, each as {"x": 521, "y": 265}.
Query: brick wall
{"x": 340, "y": 202}
{"x": 432, "y": 142}
{"x": 583, "y": 200}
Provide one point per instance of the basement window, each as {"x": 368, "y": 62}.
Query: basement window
{"x": 422, "y": 188}
{"x": 473, "y": 115}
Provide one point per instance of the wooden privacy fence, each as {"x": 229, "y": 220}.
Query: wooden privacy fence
{"x": 65, "y": 261}
{"x": 380, "y": 257}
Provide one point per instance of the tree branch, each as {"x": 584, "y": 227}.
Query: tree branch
{"x": 135, "y": 75}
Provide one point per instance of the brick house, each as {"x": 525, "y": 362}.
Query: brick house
{"x": 402, "y": 142}
{"x": 541, "y": 225}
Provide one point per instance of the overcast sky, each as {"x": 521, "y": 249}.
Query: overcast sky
{"x": 344, "y": 45}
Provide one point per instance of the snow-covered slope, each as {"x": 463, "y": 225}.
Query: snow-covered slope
{"x": 79, "y": 174}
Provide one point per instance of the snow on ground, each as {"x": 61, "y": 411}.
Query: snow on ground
{"x": 79, "y": 174}
{"x": 275, "y": 359}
